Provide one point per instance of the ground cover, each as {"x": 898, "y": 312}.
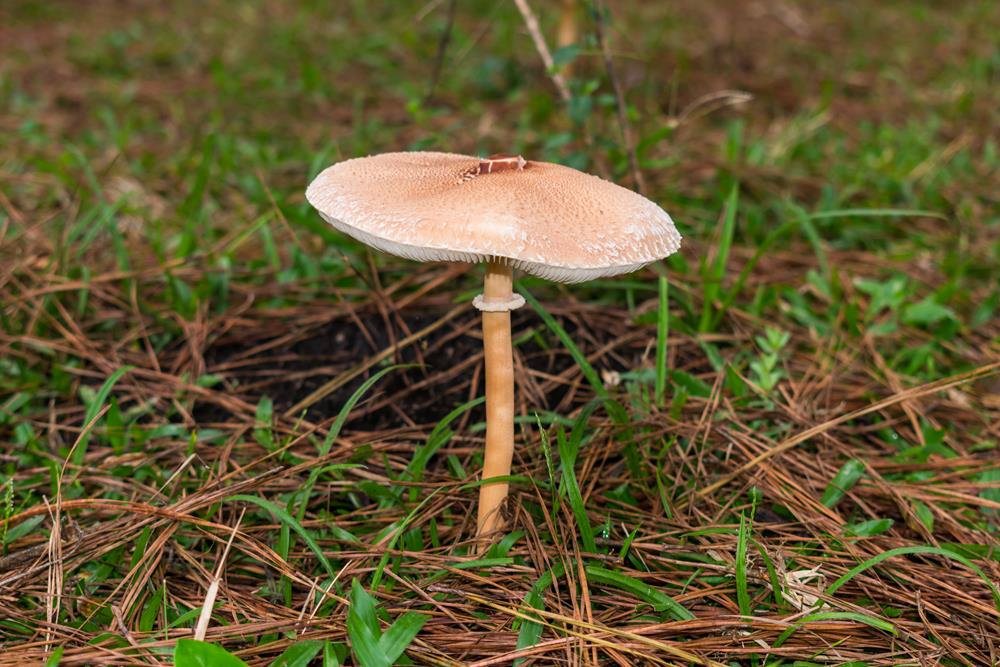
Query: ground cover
{"x": 777, "y": 448}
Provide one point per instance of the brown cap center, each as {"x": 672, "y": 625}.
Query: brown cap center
{"x": 501, "y": 162}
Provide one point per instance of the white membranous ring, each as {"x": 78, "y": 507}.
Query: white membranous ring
{"x": 513, "y": 303}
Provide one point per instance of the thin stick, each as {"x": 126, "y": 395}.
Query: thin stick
{"x": 498, "y": 353}
{"x": 442, "y": 50}
{"x": 560, "y": 82}
{"x": 213, "y": 589}
{"x": 543, "y": 50}
{"x": 53, "y": 597}
{"x": 633, "y": 159}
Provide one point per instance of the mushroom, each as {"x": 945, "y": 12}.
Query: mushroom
{"x": 508, "y": 213}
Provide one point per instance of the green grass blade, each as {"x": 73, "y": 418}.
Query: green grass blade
{"x": 399, "y": 529}
{"x": 659, "y": 600}
{"x": 401, "y": 634}
{"x": 662, "y": 333}
{"x": 742, "y": 542}
{"x": 333, "y": 434}
{"x": 617, "y": 412}
{"x": 714, "y": 274}
{"x": 299, "y": 654}
{"x": 868, "y": 528}
{"x": 190, "y": 616}
{"x": 364, "y": 644}
{"x": 264, "y": 423}
{"x": 95, "y": 406}
{"x": 842, "y": 482}
{"x": 55, "y": 657}
{"x": 363, "y": 628}
{"x": 150, "y": 610}
{"x": 330, "y": 657}
{"x": 529, "y": 635}
{"x": 194, "y": 653}
{"x": 292, "y": 523}
{"x": 531, "y": 631}
{"x": 772, "y": 575}
{"x": 914, "y": 550}
{"x": 567, "y": 454}
{"x": 623, "y": 552}
{"x": 835, "y": 616}
{"x": 549, "y": 467}
{"x": 437, "y": 438}
{"x": 578, "y": 356}
{"x": 814, "y": 238}
{"x": 345, "y": 411}
{"x": 363, "y": 604}
{"x": 760, "y": 250}
{"x": 876, "y": 213}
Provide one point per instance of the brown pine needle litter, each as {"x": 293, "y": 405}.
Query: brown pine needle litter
{"x": 216, "y": 417}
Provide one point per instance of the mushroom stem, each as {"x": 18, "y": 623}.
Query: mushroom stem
{"x": 498, "y": 352}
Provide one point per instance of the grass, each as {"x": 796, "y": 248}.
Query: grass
{"x": 788, "y": 457}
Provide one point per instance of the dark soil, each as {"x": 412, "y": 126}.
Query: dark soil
{"x": 446, "y": 363}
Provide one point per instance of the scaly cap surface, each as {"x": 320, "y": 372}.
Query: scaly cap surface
{"x": 545, "y": 219}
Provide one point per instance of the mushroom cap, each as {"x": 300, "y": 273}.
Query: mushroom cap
{"x": 545, "y": 219}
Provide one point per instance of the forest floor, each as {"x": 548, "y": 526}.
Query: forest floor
{"x": 778, "y": 447}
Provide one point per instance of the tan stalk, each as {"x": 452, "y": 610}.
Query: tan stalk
{"x": 498, "y": 352}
